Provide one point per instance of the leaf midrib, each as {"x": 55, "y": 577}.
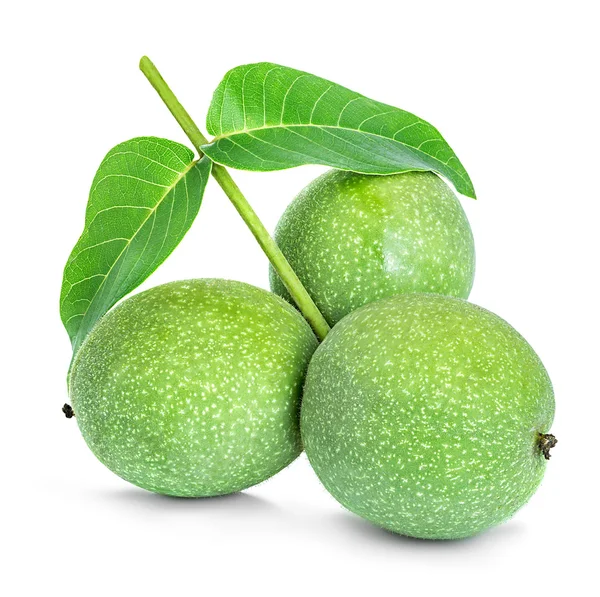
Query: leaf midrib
{"x": 128, "y": 243}
{"x": 248, "y": 131}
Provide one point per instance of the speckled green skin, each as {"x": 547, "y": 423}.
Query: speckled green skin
{"x": 422, "y": 414}
{"x": 193, "y": 388}
{"x": 354, "y": 239}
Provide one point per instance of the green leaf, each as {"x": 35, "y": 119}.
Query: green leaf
{"x": 143, "y": 200}
{"x": 269, "y": 117}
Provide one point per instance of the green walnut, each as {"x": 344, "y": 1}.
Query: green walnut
{"x": 193, "y": 388}
{"x": 428, "y": 416}
{"x": 354, "y": 239}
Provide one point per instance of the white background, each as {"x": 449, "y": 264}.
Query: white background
{"x": 512, "y": 87}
